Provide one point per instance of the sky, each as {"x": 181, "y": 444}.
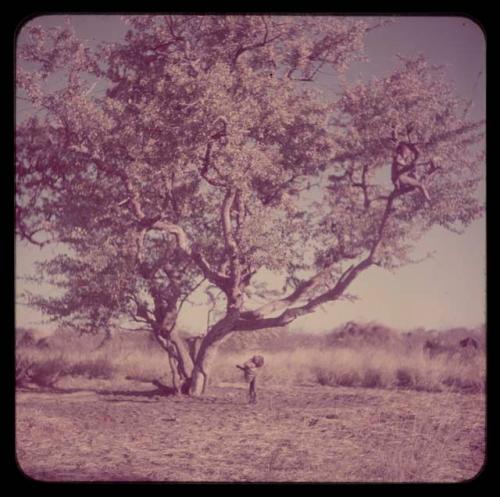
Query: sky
{"x": 446, "y": 290}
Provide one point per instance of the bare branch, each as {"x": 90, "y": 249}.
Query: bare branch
{"x": 188, "y": 293}
{"x": 284, "y": 303}
{"x": 363, "y": 185}
{"x": 293, "y": 313}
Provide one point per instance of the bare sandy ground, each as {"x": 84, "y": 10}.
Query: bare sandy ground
{"x": 104, "y": 432}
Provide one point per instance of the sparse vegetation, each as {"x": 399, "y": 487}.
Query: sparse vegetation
{"x": 366, "y": 367}
{"x": 23, "y": 370}
{"x": 100, "y": 367}
{"x": 369, "y": 356}
{"x": 395, "y": 413}
{"x": 47, "y": 372}
{"x": 71, "y": 355}
{"x": 236, "y": 165}
{"x": 292, "y": 434}
{"x": 382, "y": 358}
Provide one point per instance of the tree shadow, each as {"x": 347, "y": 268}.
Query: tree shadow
{"x": 159, "y": 391}
{"x": 134, "y": 400}
{"x": 53, "y": 389}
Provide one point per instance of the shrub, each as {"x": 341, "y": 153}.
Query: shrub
{"x": 462, "y": 384}
{"x": 24, "y": 368}
{"x": 46, "y": 372}
{"x": 347, "y": 379}
{"x": 92, "y": 368}
{"x": 404, "y": 378}
{"x": 372, "y": 379}
{"x": 324, "y": 377}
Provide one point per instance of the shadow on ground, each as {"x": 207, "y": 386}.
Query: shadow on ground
{"x": 156, "y": 392}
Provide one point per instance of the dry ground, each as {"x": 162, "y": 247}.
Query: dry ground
{"x": 106, "y": 431}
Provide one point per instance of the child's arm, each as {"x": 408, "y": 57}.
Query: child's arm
{"x": 240, "y": 367}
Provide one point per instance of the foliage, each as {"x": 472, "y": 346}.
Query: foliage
{"x": 200, "y": 159}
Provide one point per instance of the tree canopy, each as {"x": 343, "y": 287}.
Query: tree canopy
{"x": 213, "y": 155}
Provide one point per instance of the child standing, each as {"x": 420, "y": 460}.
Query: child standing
{"x": 249, "y": 368}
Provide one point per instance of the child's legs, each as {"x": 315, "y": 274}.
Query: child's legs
{"x": 407, "y": 180}
{"x": 252, "y": 391}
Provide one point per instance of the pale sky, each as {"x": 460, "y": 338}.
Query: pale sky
{"x": 445, "y": 291}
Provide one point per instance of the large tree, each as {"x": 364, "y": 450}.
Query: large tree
{"x": 213, "y": 147}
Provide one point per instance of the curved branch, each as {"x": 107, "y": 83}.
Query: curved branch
{"x": 286, "y": 302}
{"x": 258, "y": 317}
{"x": 213, "y": 276}
{"x": 293, "y": 313}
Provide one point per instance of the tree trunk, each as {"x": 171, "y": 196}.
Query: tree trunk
{"x": 180, "y": 361}
{"x": 198, "y": 383}
{"x": 184, "y": 358}
{"x": 208, "y": 350}
{"x": 190, "y": 372}
{"x": 202, "y": 367}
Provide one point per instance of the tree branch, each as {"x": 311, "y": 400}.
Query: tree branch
{"x": 213, "y": 276}
{"x": 265, "y": 41}
{"x": 291, "y": 314}
{"x": 284, "y": 303}
{"x": 231, "y": 245}
{"x": 362, "y": 185}
{"x": 188, "y": 293}
{"x": 206, "y": 164}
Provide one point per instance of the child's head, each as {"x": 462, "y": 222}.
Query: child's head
{"x": 258, "y": 360}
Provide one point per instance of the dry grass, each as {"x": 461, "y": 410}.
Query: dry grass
{"x": 367, "y": 410}
{"x": 290, "y": 360}
{"x": 73, "y": 356}
{"x": 102, "y": 432}
{"x": 364, "y": 367}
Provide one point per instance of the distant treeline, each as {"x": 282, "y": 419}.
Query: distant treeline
{"x": 277, "y": 339}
